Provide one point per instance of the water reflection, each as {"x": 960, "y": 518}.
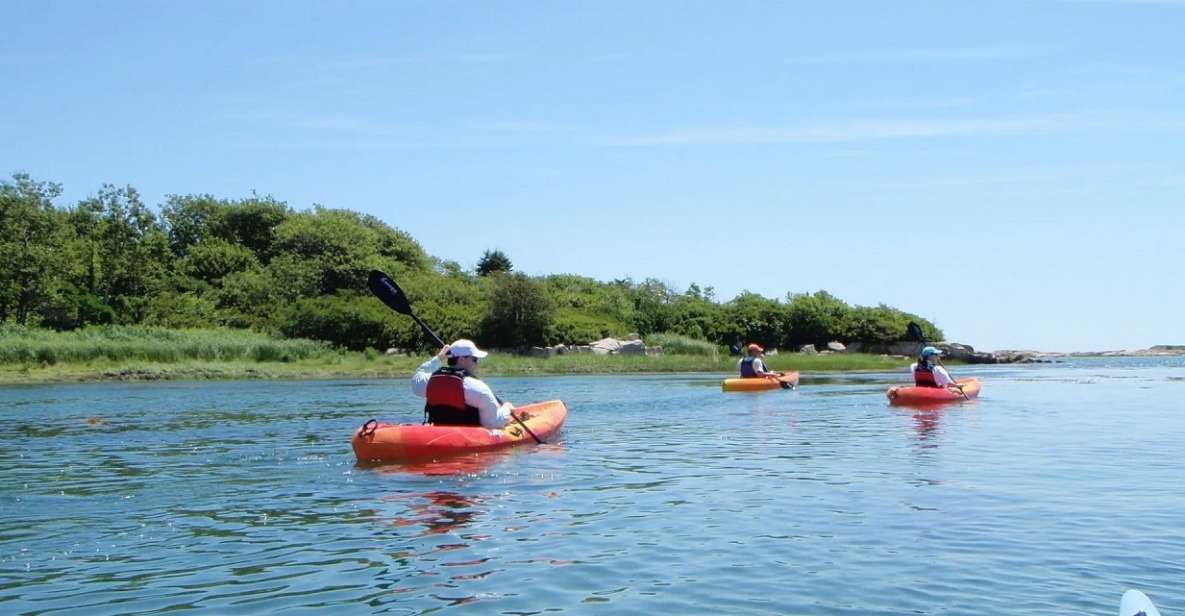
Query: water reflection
{"x": 464, "y": 464}
{"x": 926, "y": 423}
{"x": 439, "y": 512}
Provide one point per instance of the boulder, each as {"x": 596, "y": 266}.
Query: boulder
{"x": 605, "y": 346}
{"x": 542, "y": 352}
{"x": 808, "y": 349}
{"x": 771, "y": 352}
{"x": 836, "y": 346}
{"x": 580, "y": 349}
{"x": 561, "y": 349}
{"x": 632, "y": 347}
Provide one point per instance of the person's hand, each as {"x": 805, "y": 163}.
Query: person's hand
{"x": 443, "y": 352}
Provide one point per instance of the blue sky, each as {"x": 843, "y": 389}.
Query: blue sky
{"x": 1013, "y": 170}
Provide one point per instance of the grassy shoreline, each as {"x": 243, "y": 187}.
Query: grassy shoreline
{"x": 151, "y": 354}
{"x": 358, "y": 365}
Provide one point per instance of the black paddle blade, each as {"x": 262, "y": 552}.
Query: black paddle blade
{"x": 386, "y": 290}
{"x": 915, "y": 332}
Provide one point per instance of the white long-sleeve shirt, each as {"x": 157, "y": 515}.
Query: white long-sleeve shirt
{"x": 941, "y": 377}
{"x": 477, "y": 394}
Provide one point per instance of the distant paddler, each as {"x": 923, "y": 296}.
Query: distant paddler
{"x": 929, "y": 373}
{"x": 753, "y": 366}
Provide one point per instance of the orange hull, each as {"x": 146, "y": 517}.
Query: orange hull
{"x": 762, "y": 383}
{"x": 921, "y": 396}
{"x": 398, "y": 442}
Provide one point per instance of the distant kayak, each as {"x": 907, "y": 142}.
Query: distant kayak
{"x": 384, "y": 442}
{"x": 906, "y": 396}
{"x": 1136, "y": 603}
{"x": 787, "y": 381}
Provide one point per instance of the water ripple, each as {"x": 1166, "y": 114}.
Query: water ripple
{"x": 1056, "y": 490}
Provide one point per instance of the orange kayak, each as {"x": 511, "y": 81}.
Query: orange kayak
{"x": 915, "y": 396}
{"x": 384, "y": 442}
{"x": 789, "y": 379}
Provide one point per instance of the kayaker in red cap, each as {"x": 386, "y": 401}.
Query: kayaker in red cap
{"x": 455, "y": 396}
{"x": 752, "y": 367}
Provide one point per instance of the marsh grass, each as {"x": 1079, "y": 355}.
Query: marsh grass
{"x": 682, "y": 345}
{"x": 21, "y": 345}
{"x": 148, "y": 353}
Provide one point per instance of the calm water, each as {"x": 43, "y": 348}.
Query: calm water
{"x": 1062, "y": 486}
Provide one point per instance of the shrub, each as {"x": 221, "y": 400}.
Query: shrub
{"x": 681, "y": 345}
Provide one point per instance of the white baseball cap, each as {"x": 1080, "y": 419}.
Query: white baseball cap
{"x": 465, "y": 348}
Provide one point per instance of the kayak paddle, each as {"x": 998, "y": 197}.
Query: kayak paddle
{"x": 390, "y": 294}
{"x": 1136, "y": 603}
{"x": 915, "y": 331}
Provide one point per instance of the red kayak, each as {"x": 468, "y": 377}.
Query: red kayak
{"x": 384, "y": 442}
{"x": 918, "y": 396}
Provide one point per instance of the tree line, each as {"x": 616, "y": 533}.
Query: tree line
{"x": 198, "y": 261}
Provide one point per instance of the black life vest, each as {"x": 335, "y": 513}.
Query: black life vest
{"x": 923, "y": 375}
{"x": 747, "y": 371}
{"x": 446, "y": 400}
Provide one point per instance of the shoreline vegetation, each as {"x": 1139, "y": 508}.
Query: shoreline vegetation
{"x": 111, "y": 285}
{"x": 150, "y": 354}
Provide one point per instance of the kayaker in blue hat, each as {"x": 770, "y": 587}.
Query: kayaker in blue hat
{"x": 753, "y": 367}
{"x": 926, "y": 373}
{"x": 455, "y": 396}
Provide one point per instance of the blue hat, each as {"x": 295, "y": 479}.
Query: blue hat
{"x": 928, "y": 351}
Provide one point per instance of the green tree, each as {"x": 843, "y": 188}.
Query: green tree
{"x": 520, "y": 313}
{"x": 493, "y": 262}
{"x": 30, "y": 243}
{"x": 750, "y": 317}
{"x": 214, "y": 259}
{"x": 132, "y": 250}
{"x": 814, "y": 318}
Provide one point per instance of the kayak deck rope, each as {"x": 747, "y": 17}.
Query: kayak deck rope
{"x": 369, "y": 427}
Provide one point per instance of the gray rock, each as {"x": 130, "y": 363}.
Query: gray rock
{"x": 836, "y": 346}
{"x": 606, "y": 346}
{"x": 542, "y": 352}
{"x": 771, "y": 352}
{"x": 561, "y": 349}
{"x": 808, "y": 349}
{"x": 632, "y": 347}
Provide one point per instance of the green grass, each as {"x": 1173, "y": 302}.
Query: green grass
{"x": 682, "y": 345}
{"x": 154, "y": 344}
{"x": 145, "y": 353}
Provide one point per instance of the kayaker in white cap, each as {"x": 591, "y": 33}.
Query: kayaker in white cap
{"x": 455, "y": 396}
{"x": 929, "y": 374}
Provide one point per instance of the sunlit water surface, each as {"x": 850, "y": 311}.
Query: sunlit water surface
{"x": 1059, "y": 488}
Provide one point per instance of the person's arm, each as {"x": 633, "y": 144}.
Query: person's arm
{"x": 479, "y": 395}
{"x": 419, "y": 380}
{"x": 942, "y": 377}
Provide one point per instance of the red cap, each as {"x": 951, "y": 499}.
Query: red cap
{"x": 756, "y": 347}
